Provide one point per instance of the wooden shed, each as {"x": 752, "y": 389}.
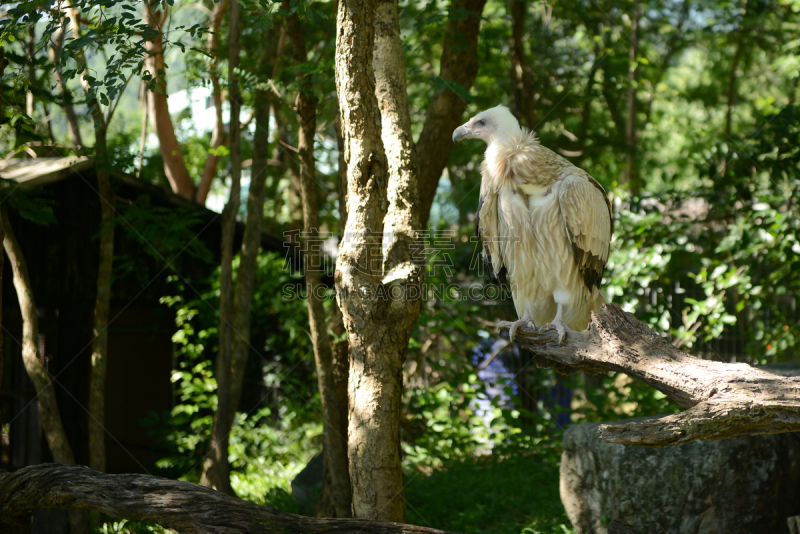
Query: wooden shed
{"x": 62, "y": 261}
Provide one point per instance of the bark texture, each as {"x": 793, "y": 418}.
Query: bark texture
{"x": 724, "y": 400}
{"x": 183, "y": 506}
{"x": 335, "y": 442}
{"x": 402, "y": 219}
{"x": 363, "y": 294}
{"x": 459, "y": 66}
{"x": 51, "y": 419}
{"x": 216, "y": 469}
{"x": 158, "y": 108}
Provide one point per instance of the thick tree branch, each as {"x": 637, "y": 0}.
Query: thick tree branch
{"x": 182, "y": 506}
{"x": 459, "y": 66}
{"x": 725, "y": 400}
{"x": 51, "y": 418}
{"x": 218, "y": 136}
{"x": 57, "y": 42}
{"x": 158, "y": 108}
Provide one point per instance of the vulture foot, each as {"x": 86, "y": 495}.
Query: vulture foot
{"x": 559, "y": 326}
{"x": 513, "y": 325}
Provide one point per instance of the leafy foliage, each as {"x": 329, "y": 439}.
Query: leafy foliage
{"x": 271, "y": 441}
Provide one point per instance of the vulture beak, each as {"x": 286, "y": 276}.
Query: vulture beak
{"x": 462, "y": 132}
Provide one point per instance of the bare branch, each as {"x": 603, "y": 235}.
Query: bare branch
{"x": 725, "y": 400}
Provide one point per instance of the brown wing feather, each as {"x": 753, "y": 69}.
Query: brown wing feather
{"x": 588, "y": 223}
{"x": 501, "y": 278}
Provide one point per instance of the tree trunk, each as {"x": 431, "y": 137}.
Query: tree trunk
{"x": 98, "y": 121}
{"x": 158, "y": 108}
{"x": 378, "y": 286}
{"x": 57, "y": 42}
{"x": 522, "y": 93}
{"x": 724, "y": 400}
{"x": 3, "y": 64}
{"x": 375, "y": 380}
{"x": 2, "y": 257}
{"x": 341, "y": 366}
{"x": 216, "y": 470}
{"x": 2, "y": 227}
{"x": 173, "y": 504}
{"x": 339, "y": 348}
{"x": 630, "y": 176}
{"x": 218, "y": 137}
{"x": 97, "y": 378}
{"x": 402, "y": 219}
{"x": 459, "y": 66}
{"x": 403, "y": 261}
{"x": 51, "y": 419}
{"x": 613, "y": 109}
{"x": 143, "y": 134}
{"x": 335, "y": 443}
{"x": 251, "y": 242}
{"x": 30, "y": 102}
{"x": 588, "y": 98}
{"x": 732, "y": 93}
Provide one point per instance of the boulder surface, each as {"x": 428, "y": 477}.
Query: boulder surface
{"x": 748, "y": 485}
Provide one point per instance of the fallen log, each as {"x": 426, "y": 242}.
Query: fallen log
{"x": 175, "y": 504}
{"x": 723, "y": 400}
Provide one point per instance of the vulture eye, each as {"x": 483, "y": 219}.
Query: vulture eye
{"x": 481, "y": 122}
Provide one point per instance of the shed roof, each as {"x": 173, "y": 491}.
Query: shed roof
{"x": 31, "y": 173}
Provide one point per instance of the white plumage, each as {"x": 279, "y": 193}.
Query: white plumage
{"x": 545, "y": 224}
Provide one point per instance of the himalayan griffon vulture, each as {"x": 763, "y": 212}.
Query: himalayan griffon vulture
{"x": 545, "y": 225}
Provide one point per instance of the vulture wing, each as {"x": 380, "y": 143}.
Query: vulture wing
{"x": 491, "y": 253}
{"x": 587, "y": 219}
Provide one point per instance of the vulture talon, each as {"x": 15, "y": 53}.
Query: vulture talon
{"x": 513, "y": 325}
{"x": 559, "y": 326}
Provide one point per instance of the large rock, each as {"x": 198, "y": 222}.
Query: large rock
{"x": 745, "y": 485}
{"x": 307, "y": 485}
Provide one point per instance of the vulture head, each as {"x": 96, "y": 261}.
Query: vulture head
{"x": 489, "y": 125}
